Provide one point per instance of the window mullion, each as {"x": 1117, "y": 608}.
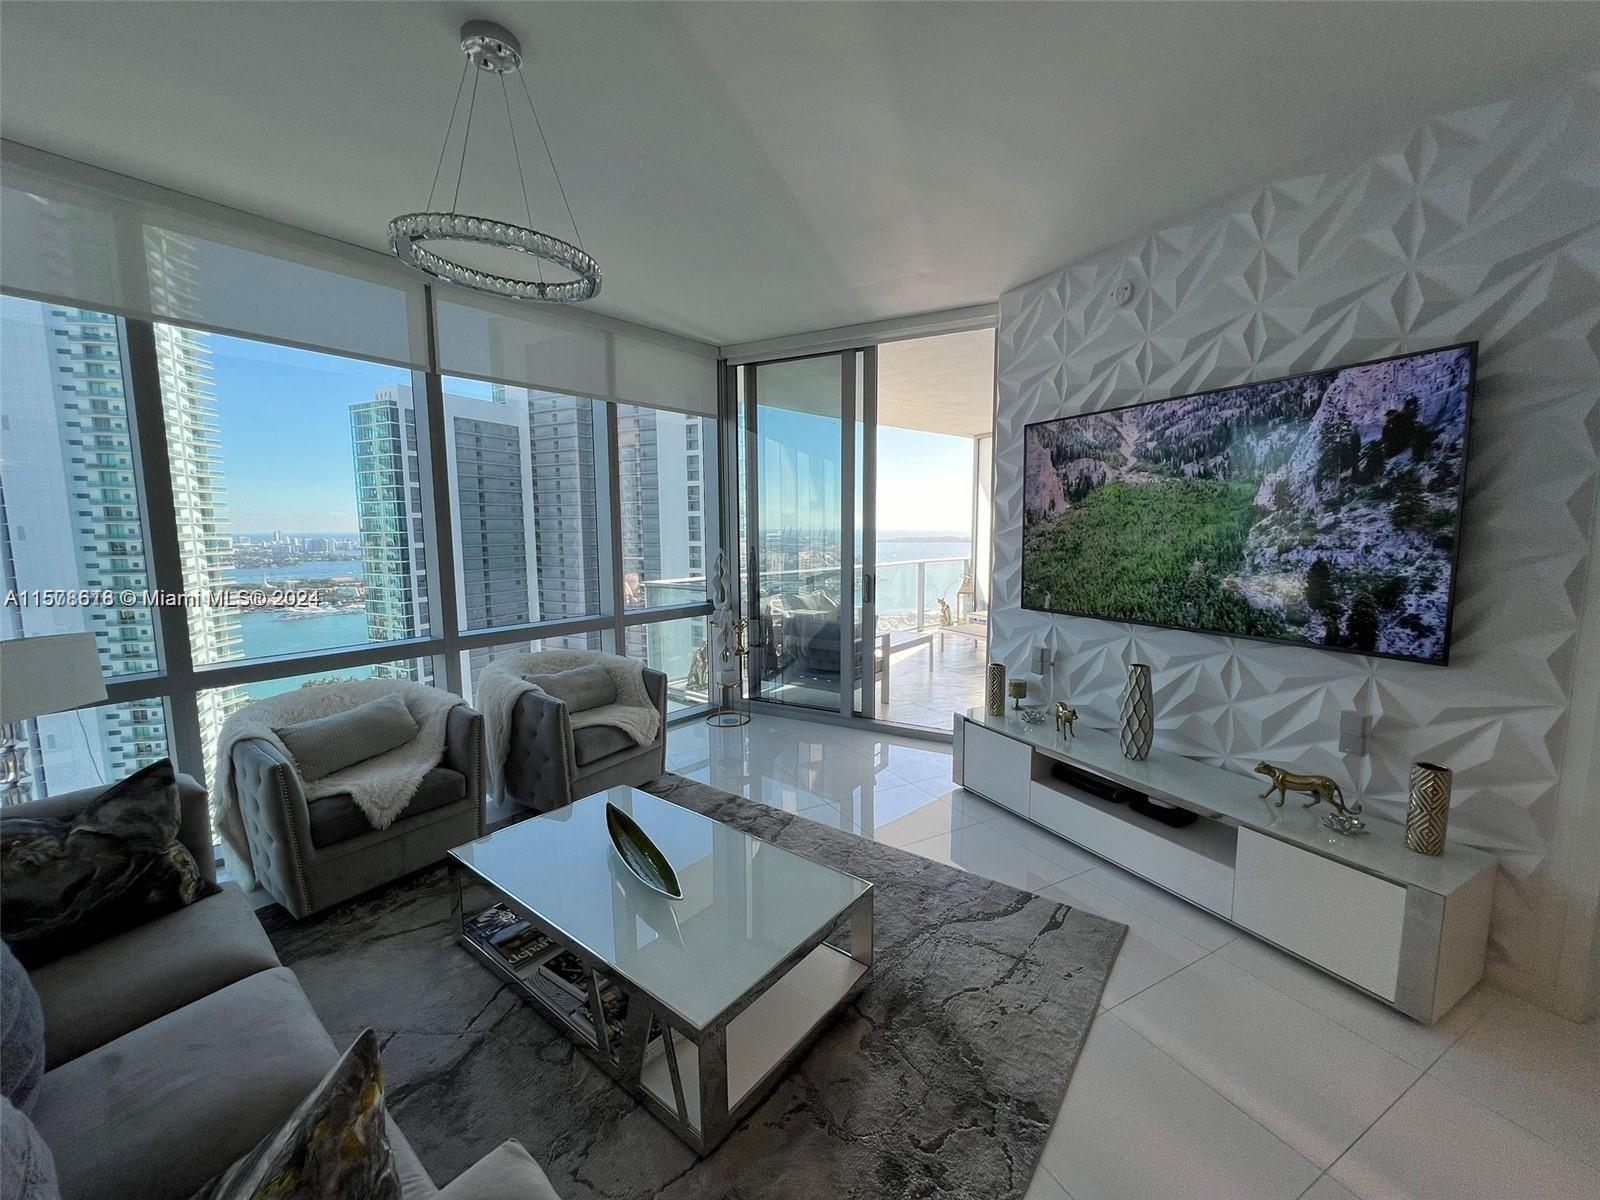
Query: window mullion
{"x": 148, "y": 433}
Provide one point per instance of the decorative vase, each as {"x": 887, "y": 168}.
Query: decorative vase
{"x": 1138, "y": 714}
{"x": 1428, "y": 812}
{"x": 994, "y": 692}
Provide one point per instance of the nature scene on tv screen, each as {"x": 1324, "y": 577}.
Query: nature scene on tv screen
{"x": 1320, "y": 509}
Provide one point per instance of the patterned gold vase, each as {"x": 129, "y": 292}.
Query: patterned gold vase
{"x": 994, "y": 692}
{"x": 1138, "y": 714}
{"x": 1428, "y": 812}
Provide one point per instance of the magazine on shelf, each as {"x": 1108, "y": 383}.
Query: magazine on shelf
{"x": 556, "y": 974}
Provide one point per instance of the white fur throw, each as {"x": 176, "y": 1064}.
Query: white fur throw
{"x": 504, "y": 681}
{"x": 381, "y": 787}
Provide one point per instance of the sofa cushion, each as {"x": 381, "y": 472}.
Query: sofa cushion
{"x": 599, "y": 741}
{"x": 342, "y": 739}
{"x": 415, "y": 1183}
{"x": 334, "y": 1144}
{"x": 103, "y": 992}
{"x": 158, "y": 1112}
{"x": 27, "y": 1169}
{"x": 580, "y": 689}
{"x": 508, "y": 1172}
{"x": 336, "y": 818}
{"x": 21, "y": 1033}
{"x": 72, "y": 881}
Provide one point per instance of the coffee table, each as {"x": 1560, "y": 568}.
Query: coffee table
{"x": 708, "y": 1000}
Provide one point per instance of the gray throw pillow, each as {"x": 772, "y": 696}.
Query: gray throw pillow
{"x": 581, "y": 688}
{"x": 70, "y": 882}
{"x": 27, "y": 1168}
{"x": 341, "y": 740}
{"x": 336, "y": 1143}
{"x": 21, "y": 1033}
{"x": 506, "y": 1173}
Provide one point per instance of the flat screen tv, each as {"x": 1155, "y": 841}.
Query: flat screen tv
{"x": 1322, "y": 509}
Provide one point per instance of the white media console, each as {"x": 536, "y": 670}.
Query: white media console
{"x": 1409, "y": 929}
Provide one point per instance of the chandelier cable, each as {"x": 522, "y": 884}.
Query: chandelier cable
{"x": 527, "y": 207}
{"x": 466, "y": 138}
{"x": 539, "y": 125}
{"x": 448, "y": 130}
{"x": 490, "y": 47}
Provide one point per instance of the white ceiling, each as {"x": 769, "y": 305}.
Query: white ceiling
{"x": 750, "y": 170}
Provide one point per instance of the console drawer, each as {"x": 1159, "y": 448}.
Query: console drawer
{"x": 1195, "y": 862}
{"x": 997, "y": 767}
{"x": 1344, "y": 920}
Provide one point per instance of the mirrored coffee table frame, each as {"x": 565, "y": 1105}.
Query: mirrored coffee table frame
{"x": 699, "y": 1074}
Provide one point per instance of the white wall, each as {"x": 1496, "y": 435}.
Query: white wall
{"x": 1480, "y": 224}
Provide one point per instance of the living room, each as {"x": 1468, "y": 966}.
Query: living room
{"x": 762, "y": 600}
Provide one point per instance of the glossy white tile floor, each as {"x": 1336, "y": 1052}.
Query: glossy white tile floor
{"x": 1218, "y": 1068}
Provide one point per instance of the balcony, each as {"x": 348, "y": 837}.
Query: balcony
{"x": 929, "y": 662}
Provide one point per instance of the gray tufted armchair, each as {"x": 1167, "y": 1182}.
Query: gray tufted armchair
{"x": 547, "y": 765}
{"x": 311, "y": 856}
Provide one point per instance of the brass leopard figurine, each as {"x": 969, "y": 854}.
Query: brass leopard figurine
{"x": 1065, "y": 719}
{"x": 1318, "y": 787}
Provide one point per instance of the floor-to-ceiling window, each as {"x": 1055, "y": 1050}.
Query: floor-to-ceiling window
{"x": 296, "y": 474}
{"x": 309, "y": 499}
{"x": 667, "y": 513}
{"x": 73, "y": 557}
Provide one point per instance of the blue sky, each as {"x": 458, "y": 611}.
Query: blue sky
{"x": 285, "y": 418}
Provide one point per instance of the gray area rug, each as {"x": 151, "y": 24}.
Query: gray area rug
{"x": 941, "y": 1080}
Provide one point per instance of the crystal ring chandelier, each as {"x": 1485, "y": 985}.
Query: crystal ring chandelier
{"x": 494, "y": 51}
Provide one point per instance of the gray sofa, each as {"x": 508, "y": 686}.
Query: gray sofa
{"x": 174, "y": 1048}
{"x": 309, "y": 856}
{"x": 548, "y": 765}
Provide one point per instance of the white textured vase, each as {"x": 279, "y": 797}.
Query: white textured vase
{"x": 1138, "y": 714}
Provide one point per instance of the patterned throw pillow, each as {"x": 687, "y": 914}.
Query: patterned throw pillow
{"x": 21, "y": 1033}
{"x": 334, "y": 1144}
{"x": 72, "y": 881}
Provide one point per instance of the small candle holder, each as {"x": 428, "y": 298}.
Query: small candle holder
{"x": 1019, "y": 692}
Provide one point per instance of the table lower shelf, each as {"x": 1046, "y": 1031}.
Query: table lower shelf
{"x": 763, "y": 1037}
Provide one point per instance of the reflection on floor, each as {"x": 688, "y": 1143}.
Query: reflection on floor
{"x": 931, "y": 675}
{"x": 1218, "y": 1067}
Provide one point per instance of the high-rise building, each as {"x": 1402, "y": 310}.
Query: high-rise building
{"x": 566, "y": 523}
{"x": 70, "y": 517}
{"x": 660, "y": 489}
{"x": 388, "y": 474}
{"x": 487, "y": 447}
{"x": 524, "y": 520}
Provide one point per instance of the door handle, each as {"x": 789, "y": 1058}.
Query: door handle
{"x": 869, "y": 589}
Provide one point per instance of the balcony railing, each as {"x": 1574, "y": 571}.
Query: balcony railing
{"x": 908, "y": 591}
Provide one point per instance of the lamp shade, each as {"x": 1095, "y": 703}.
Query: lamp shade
{"x": 48, "y": 675}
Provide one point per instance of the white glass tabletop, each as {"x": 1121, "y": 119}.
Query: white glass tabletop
{"x": 747, "y": 904}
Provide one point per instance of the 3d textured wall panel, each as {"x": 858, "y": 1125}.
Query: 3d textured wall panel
{"x": 1483, "y": 224}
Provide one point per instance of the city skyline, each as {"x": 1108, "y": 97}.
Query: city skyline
{"x": 277, "y": 400}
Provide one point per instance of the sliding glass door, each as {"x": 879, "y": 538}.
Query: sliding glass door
{"x": 795, "y": 474}
{"x": 866, "y": 509}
